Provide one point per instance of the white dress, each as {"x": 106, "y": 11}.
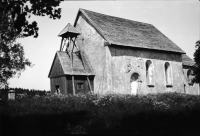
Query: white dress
{"x": 134, "y": 87}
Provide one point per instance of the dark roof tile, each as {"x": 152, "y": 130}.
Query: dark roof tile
{"x": 78, "y": 67}
{"x": 187, "y": 61}
{"x": 119, "y": 31}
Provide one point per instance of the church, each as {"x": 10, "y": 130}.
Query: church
{"x": 104, "y": 54}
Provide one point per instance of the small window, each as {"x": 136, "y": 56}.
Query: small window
{"x": 168, "y": 74}
{"x": 149, "y": 73}
{"x": 80, "y": 87}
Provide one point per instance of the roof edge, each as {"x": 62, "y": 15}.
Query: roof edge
{"x": 169, "y": 39}
{"x": 188, "y": 65}
{"x": 75, "y": 74}
{"x": 114, "y": 44}
{"x": 91, "y": 23}
{"x": 52, "y": 65}
{"x": 84, "y": 55}
{"x": 54, "y": 62}
{"x": 119, "y": 17}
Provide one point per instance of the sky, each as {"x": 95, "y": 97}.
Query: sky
{"x": 178, "y": 20}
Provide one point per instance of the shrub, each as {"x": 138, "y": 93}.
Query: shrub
{"x": 112, "y": 113}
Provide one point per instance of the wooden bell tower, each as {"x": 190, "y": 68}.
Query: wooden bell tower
{"x": 69, "y": 35}
{"x": 68, "y": 44}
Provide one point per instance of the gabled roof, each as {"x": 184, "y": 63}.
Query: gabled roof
{"x": 78, "y": 67}
{"x": 69, "y": 29}
{"x": 187, "y": 61}
{"x": 124, "y": 32}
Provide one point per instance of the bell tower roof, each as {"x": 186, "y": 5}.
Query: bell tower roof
{"x": 69, "y": 30}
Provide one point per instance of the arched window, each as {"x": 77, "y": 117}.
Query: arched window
{"x": 168, "y": 74}
{"x": 149, "y": 73}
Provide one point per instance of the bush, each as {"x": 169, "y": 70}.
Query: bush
{"x": 169, "y": 113}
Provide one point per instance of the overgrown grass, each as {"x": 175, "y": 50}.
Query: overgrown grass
{"x": 170, "y": 113}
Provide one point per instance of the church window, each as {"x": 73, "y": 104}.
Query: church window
{"x": 149, "y": 73}
{"x": 168, "y": 74}
{"x": 80, "y": 87}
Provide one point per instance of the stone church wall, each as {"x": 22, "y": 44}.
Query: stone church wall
{"x": 92, "y": 44}
{"x": 126, "y": 61}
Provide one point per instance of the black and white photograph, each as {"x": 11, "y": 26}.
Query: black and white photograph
{"x": 99, "y": 67}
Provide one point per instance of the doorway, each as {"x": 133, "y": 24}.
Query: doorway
{"x": 57, "y": 89}
{"x": 134, "y": 83}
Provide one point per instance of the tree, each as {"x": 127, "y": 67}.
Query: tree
{"x": 196, "y": 68}
{"x": 14, "y": 24}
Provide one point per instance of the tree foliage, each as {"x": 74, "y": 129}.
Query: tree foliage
{"x": 14, "y": 24}
{"x": 20, "y": 11}
{"x": 196, "y": 69}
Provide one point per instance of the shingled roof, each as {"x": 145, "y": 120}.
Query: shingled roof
{"x": 124, "y": 32}
{"x": 187, "y": 61}
{"x": 78, "y": 68}
{"x": 69, "y": 29}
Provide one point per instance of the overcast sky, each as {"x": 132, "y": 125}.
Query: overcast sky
{"x": 178, "y": 20}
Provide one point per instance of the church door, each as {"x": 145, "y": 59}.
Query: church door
{"x": 134, "y": 83}
{"x": 134, "y": 87}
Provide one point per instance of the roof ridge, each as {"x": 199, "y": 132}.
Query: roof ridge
{"x": 116, "y": 17}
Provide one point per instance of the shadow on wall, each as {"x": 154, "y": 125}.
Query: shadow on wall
{"x": 144, "y": 53}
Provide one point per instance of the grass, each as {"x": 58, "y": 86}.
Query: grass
{"x": 170, "y": 113}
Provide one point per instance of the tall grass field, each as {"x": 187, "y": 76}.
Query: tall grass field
{"x": 169, "y": 113}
